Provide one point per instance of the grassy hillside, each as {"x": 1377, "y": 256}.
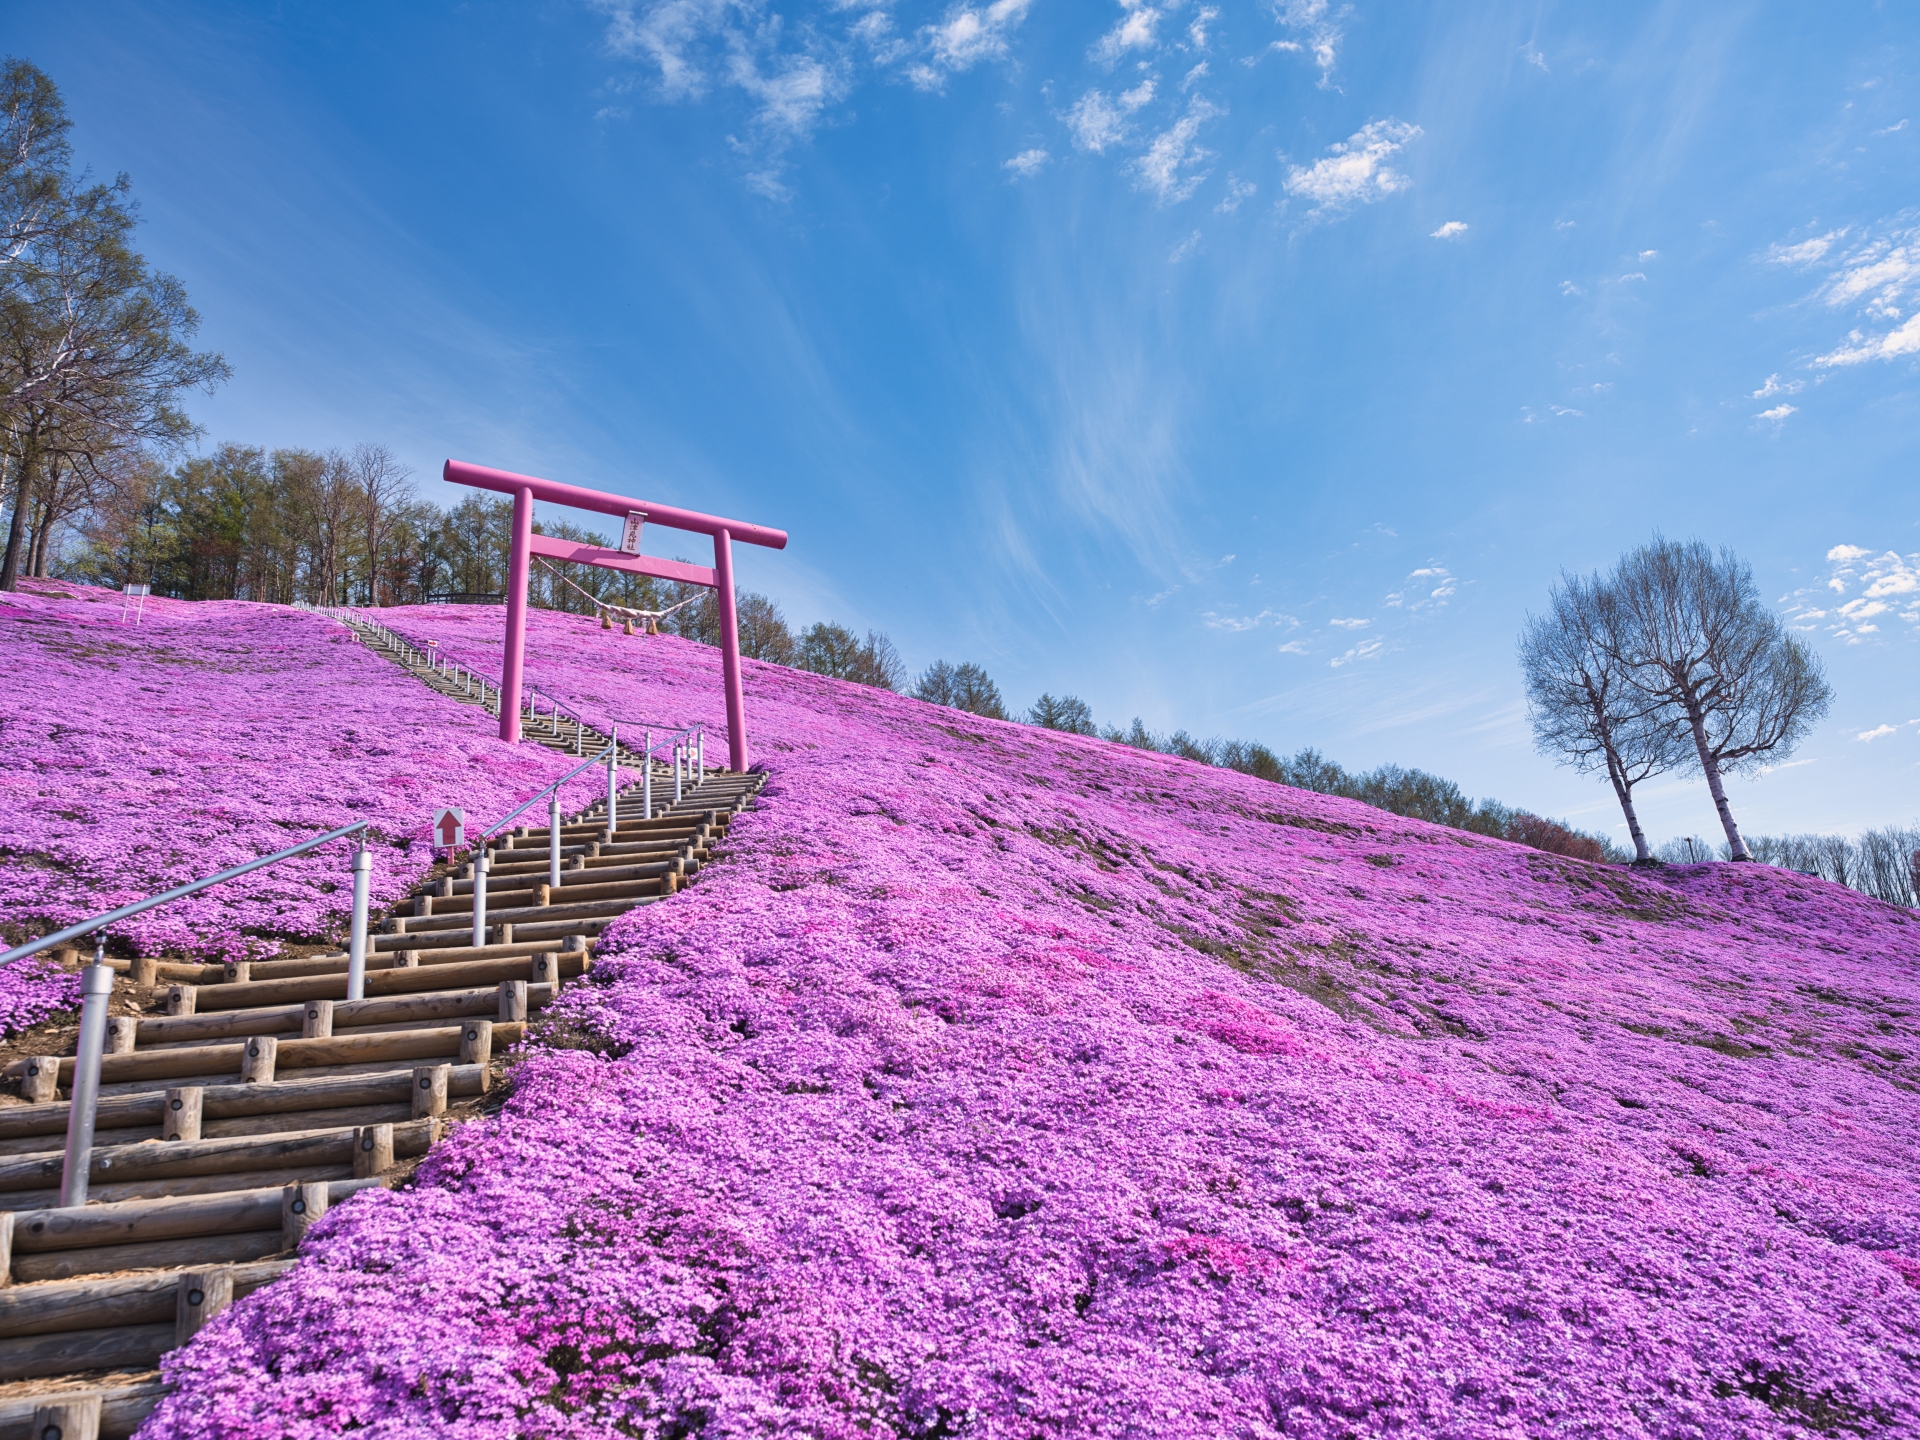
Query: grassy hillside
{"x": 137, "y": 757}
{"x": 1006, "y": 1083}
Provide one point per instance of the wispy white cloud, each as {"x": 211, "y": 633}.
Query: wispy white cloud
{"x": 1636, "y": 275}
{"x": 1870, "y": 586}
{"x": 1171, "y": 169}
{"x": 1028, "y": 162}
{"x": 1293, "y": 647}
{"x": 1567, "y": 287}
{"x": 1773, "y": 385}
{"x": 1452, "y": 230}
{"x": 1777, "y": 415}
{"x": 1197, "y": 32}
{"x": 1134, "y": 32}
{"x": 1877, "y": 732}
{"x": 1804, "y": 252}
{"x": 1354, "y": 171}
{"x": 1185, "y": 248}
{"x": 1431, "y": 586}
{"x": 1319, "y": 23}
{"x": 1890, "y": 130}
{"x": 1096, "y": 123}
{"x": 1861, "y": 347}
{"x": 1365, "y": 650}
{"x": 1238, "y": 193}
{"x": 1532, "y": 55}
{"x": 965, "y": 37}
{"x": 1877, "y": 274}
{"x": 1649, "y": 255}
{"x": 1350, "y": 624}
{"x": 1237, "y": 624}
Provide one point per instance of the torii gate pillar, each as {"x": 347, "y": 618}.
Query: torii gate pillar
{"x": 525, "y": 489}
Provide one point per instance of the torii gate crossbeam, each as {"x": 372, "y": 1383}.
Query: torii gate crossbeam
{"x": 525, "y": 489}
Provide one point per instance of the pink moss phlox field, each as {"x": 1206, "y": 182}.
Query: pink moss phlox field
{"x": 139, "y": 757}
{"x": 1003, "y": 1083}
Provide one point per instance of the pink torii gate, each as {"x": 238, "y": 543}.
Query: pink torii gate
{"x": 525, "y": 489}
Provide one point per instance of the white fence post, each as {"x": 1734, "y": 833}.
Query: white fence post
{"x": 357, "y": 943}
{"x": 480, "y": 864}
{"x": 613, "y": 785}
{"x": 553, "y": 844}
{"x": 96, "y": 991}
{"x": 646, "y": 776}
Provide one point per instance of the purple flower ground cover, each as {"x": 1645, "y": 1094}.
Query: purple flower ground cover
{"x": 1002, "y": 1083}
{"x": 140, "y": 757}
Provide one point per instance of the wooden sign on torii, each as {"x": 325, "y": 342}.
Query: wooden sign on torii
{"x": 525, "y": 489}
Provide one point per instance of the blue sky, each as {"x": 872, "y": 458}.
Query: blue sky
{"x": 1250, "y": 368}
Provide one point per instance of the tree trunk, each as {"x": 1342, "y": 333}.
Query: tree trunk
{"x": 1710, "y": 767}
{"x": 16, "y": 531}
{"x": 1623, "y": 792}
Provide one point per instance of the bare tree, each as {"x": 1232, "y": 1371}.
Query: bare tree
{"x": 1693, "y": 635}
{"x": 332, "y": 504}
{"x": 385, "y": 491}
{"x": 1584, "y": 710}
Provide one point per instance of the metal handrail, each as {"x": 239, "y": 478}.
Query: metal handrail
{"x": 96, "y": 987}
{"x": 553, "y": 789}
{"x": 179, "y": 892}
{"x": 482, "y": 862}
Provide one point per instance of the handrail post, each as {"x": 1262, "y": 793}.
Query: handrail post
{"x": 357, "y": 943}
{"x": 553, "y": 844}
{"x": 678, "y": 744}
{"x": 646, "y": 776}
{"x": 700, "y": 775}
{"x": 96, "y": 990}
{"x": 480, "y": 866}
{"x": 613, "y": 784}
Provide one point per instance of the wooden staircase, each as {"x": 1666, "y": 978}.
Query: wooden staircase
{"x": 240, "y": 1102}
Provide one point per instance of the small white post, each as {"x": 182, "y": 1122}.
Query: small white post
{"x": 613, "y": 784}
{"x": 646, "y": 776}
{"x": 357, "y": 944}
{"x": 96, "y": 991}
{"x": 700, "y": 775}
{"x": 676, "y": 770}
{"x": 480, "y": 864}
{"x": 553, "y": 841}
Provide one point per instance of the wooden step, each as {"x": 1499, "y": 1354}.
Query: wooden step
{"x": 219, "y": 1058}
{"x": 148, "y": 1298}
{"x": 126, "y": 1402}
{"x": 534, "y": 914}
{"x": 222, "y": 1102}
{"x": 541, "y": 968}
{"x": 348, "y": 1016}
{"x": 166, "y": 1159}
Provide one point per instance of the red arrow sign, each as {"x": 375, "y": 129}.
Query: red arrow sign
{"x": 449, "y": 826}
